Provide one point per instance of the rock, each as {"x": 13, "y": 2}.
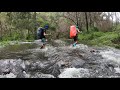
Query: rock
{"x": 4, "y": 66}
{"x": 52, "y": 69}
{"x": 38, "y": 65}
{"x": 117, "y": 70}
{"x": 27, "y": 65}
{"x": 23, "y": 65}
{"x": 61, "y": 61}
{"x": 111, "y": 55}
{"x": 23, "y": 75}
{"x": 11, "y": 75}
{"x": 56, "y": 71}
{"x": 62, "y": 64}
{"x": 75, "y": 73}
{"x": 20, "y": 75}
{"x": 82, "y": 46}
{"x": 12, "y": 68}
{"x": 17, "y": 66}
{"x": 26, "y": 75}
{"x": 40, "y": 75}
{"x": 77, "y": 63}
{"x": 2, "y": 76}
{"x": 32, "y": 66}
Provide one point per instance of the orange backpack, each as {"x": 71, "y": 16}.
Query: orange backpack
{"x": 73, "y": 31}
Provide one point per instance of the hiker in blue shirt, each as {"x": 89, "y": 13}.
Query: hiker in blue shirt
{"x": 42, "y": 34}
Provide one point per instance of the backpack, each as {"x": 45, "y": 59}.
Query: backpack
{"x": 39, "y": 31}
{"x": 73, "y": 31}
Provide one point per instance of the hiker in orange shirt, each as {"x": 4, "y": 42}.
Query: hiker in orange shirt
{"x": 76, "y": 37}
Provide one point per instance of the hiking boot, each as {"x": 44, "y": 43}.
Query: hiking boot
{"x": 42, "y": 47}
{"x": 74, "y": 44}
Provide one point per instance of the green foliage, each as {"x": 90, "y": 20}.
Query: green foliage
{"x": 22, "y": 26}
{"x": 4, "y": 43}
{"x": 116, "y": 27}
{"x": 116, "y": 40}
{"x": 98, "y": 38}
{"x": 22, "y": 23}
{"x": 53, "y": 27}
{"x": 93, "y": 29}
{"x": 117, "y": 46}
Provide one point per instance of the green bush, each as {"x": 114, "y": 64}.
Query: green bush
{"x": 117, "y": 46}
{"x": 99, "y": 38}
{"x": 93, "y": 29}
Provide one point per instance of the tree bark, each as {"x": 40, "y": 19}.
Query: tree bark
{"x": 0, "y": 31}
{"x": 35, "y": 28}
{"x": 90, "y": 19}
{"x": 86, "y": 18}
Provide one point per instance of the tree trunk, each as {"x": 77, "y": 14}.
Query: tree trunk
{"x": 1, "y": 31}
{"x": 77, "y": 18}
{"x": 90, "y": 19}
{"x": 35, "y": 28}
{"x": 86, "y": 18}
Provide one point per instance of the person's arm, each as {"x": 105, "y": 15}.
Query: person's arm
{"x": 46, "y": 34}
{"x": 78, "y": 30}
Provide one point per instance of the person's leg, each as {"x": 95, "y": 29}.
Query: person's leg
{"x": 43, "y": 41}
{"x": 74, "y": 44}
{"x": 75, "y": 41}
